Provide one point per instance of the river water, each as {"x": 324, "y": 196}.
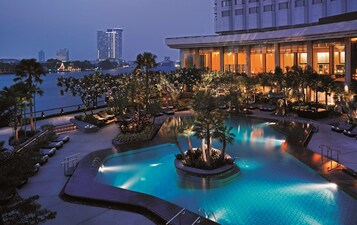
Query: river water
{"x": 52, "y": 98}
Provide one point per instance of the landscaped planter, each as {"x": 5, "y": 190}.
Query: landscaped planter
{"x": 205, "y": 172}
{"x": 312, "y": 114}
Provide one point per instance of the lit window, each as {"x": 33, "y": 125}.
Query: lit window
{"x": 283, "y": 5}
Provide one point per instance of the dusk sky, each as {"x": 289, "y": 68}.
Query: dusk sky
{"x": 26, "y": 26}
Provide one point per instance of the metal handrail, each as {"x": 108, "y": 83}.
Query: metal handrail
{"x": 182, "y": 211}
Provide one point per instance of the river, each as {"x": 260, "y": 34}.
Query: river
{"x": 52, "y": 98}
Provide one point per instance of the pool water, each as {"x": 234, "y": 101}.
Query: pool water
{"x": 273, "y": 187}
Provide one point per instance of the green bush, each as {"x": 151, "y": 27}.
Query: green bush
{"x": 143, "y": 135}
{"x": 194, "y": 159}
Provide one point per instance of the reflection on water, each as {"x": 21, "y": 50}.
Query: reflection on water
{"x": 189, "y": 181}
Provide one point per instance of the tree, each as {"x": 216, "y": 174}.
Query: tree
{"x": 25, "y": 212}
{"x": 89, "y": 88}
{"x": 144, "y": 62}
{"x": 225, "y": 136}
{"x": 29, "y": 71}
{"x": 174, "y": 133}
{"x": 12, "y": 97}
{"x": 107, "y": 65}
{"x": 207, "y": 119}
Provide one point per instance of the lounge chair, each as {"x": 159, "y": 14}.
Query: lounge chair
{"x": 105, "y": 115}
{"x": 51, "y": 145}
{"x": 58, "y": 138}
{"x": 352, "y": 132}
{"x": 50, "y": 152}
{"x": 341, "y": 127}
{"x": 99, "y": 118}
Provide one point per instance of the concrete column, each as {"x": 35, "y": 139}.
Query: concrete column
{"x": 348, "y": 60}
{"x": 264, "y": 62}
{"x": 277, "y": 54}
{"x": 309, "y": 54}
{"x": 221, "y": 59}
{"x": 197, "y": 58}
{"x": 247, "y": 58}
{"x": 331, "y": 60}
{"x": 182, "y": 58}
{"x": 209, "y": 63}
{"x": 235, "y": 62}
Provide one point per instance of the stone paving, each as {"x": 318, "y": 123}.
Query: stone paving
{"x": 50, "y": 180}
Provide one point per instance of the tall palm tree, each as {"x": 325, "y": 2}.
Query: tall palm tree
{"x": 225, "y": 136}
{"x": 29, "y": 71}
{"x": 145, "y": 62}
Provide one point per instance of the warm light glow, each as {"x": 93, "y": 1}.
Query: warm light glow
{"x": 353, "y": 39}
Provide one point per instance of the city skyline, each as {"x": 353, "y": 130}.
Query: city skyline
{"x": 50, "y": 26}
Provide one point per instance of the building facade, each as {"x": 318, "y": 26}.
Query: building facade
{"x": 41, "y": 56}
{"x": 255, "y": 36}
{"x": 110, "y": 44}
{"x": 63, "y": 55}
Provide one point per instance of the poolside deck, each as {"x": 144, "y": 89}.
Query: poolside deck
{"x": 50, "y": 180}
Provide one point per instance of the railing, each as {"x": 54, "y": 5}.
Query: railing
{"x": 181, "y": 212}
{"x": 64, "y": 110}
{"x": 70, "y": 163}
{"x": 31, "y": 140}
{"x": 329, "y": 155}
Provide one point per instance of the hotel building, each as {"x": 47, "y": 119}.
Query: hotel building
{"x": 110, "y": 44}
{"x": 255, "y": 36}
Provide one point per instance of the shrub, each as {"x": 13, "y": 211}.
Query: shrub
{"x": 144, "y": 134}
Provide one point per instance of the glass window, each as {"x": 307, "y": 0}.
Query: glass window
{"x": 283, "y": 5}
{"x": 209, "y": 58}
{"x": 253, "y": 10}
{"x": 299, "y": 3}
{"x": 268, "y": 8}
{"x": 239, "y": 2}
{"x": 188, "y": 58}
{"x": 321, "y": 58}
{"x": 354, "y": 58}
{"x": 316, "y": 2}
{"x": 226, "y": 3}
{"x": 226, "y": 13}
{"x": 339, "y": 59}
{"x": 293, "y": 54}
{"x": 239, "y": 12}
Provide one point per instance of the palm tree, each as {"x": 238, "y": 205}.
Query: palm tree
{"x": 225, "y": 136}
{"x": 187, "y": 129}
{"x": 30, "y": 71}
{"x": 207, "y": 120}
{"x": 146, "y": 61}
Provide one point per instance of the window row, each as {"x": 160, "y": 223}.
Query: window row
{"x": 327, "y": 58}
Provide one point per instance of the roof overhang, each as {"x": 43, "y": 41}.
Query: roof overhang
{"x": 309, "y": 33}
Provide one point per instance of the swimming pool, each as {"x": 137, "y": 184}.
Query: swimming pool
{"x": 273, "y": 187}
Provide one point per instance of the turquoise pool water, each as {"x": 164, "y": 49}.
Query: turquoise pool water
{"x": 273, "y": 187}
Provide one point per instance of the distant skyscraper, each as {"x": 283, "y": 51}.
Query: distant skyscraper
{"x": 41, "y": 56}
{"x": 109, "y": 44}
{"x": 63, "y": 55}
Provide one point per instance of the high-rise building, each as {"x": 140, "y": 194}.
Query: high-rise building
{"x": 63, "y": 55}
{"x": 41, "y": 56}
{"x": 109, "y": 44}
{"x": 256, "y": 36}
